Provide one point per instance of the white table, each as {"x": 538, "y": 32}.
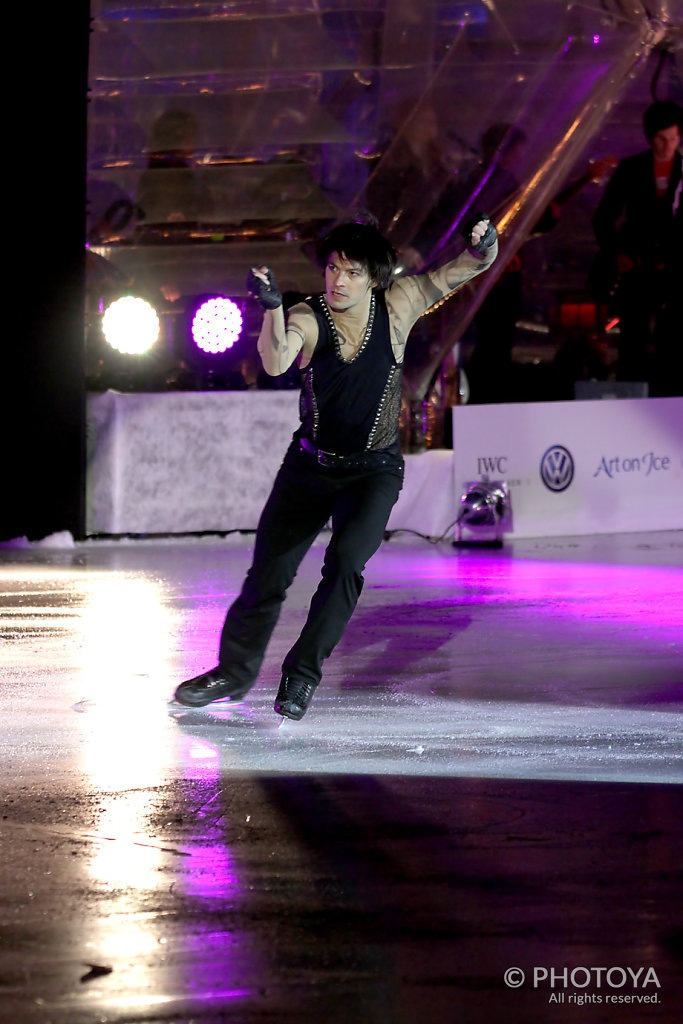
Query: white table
{"x": 191, "y": 462}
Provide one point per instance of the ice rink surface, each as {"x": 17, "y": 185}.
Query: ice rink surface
{"x": 488, "y": 781}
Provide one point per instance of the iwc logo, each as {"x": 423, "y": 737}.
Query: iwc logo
{"x": 557, "y": 468}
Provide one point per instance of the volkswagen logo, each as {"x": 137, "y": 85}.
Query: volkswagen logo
{"x": 557, "y": 468}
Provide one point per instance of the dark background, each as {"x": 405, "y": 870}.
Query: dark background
{"x": 42, "y": 396}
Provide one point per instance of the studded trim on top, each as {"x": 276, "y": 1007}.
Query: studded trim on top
{"x": 388, "y": 390}
{"x": 313, "y": 403}
{"x": 333, "y": 328}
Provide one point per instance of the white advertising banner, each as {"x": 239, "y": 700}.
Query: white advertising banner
{"x": 610, "y": 466}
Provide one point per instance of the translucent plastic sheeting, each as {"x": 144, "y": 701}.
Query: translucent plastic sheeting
{"x": 220, "y": 134}
{"x": 528, "y": 96}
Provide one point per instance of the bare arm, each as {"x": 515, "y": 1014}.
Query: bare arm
{"x": 279, "y": 344}
{"x": 452, "y": 275}
{"x": 409, "y": 297}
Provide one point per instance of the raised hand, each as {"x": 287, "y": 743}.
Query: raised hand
{"x": 479, "y": 232}
{"x": 263, "y": 286}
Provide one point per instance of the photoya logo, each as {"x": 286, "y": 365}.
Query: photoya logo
{"x": 615, "y": 985}
{"x": 557, "y": 468}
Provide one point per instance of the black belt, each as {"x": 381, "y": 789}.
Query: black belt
{"x": 360, "y": 460}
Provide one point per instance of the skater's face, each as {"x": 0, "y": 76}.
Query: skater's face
{"x": 347, "y": 282}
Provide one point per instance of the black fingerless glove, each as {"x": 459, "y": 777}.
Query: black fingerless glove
{"x": 487, "y": 239}
{"x": 268, "y": 295}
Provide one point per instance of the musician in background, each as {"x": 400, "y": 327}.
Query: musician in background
{"x": 639, "y": 227}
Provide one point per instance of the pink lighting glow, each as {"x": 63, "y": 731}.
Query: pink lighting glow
{"x": 216, "y": 325}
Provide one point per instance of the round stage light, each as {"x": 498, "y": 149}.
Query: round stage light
{"x": 130, "y": 325}
{"x": 216, "y": 326}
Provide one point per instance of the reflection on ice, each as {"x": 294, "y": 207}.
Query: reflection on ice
{"x": 126, "y": 632}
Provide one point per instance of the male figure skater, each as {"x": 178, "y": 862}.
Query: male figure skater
{"x": 344, "y": 461}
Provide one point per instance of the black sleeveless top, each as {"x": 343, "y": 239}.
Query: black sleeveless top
{"x": 351, "y": 406}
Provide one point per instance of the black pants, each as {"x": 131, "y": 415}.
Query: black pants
{"x": 649, "y": 305}
{"x": 304, "y": 497}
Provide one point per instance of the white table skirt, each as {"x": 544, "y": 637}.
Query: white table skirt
{"x": 189, "y": 462}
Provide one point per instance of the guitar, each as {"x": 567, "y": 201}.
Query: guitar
{"x": 597, "y": 169}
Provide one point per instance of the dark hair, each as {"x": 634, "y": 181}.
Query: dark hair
{"x": 363, "y": 243}
{"x": 660, "y": 115}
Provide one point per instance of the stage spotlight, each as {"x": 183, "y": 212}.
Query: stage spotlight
{"x": 483, "y": 507}
{"x": 130, "y": 325}
{"x": 216, "y": 325}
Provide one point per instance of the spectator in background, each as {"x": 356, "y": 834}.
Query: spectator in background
{"x": 170, "y": 191}
{"x": 638, "y": 224}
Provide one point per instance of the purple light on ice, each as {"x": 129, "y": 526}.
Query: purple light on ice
{"x": 200, "y": 751}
